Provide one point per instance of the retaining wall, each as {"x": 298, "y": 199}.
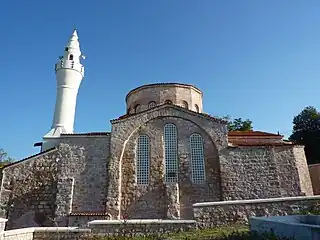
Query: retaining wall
{"x": 212, "y": 214}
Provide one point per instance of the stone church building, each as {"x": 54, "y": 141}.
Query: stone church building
{"x": 163, "y": 155}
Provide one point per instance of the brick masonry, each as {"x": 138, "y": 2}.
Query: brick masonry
{"x": 178, "y": 94}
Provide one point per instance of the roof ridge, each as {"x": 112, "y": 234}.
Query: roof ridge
{"x": 30, "y": 157}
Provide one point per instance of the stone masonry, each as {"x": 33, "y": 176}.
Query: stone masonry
{"x": 210, "y": 215}
{"x": 183, "y": 95}
{"x": 95, "y": 174}
{"x": 264, "y": 172}
{"x": 28, "y": 191}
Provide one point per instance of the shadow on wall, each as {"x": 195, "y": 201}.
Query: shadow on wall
{"x": 314, "y": 170}
{"x": 34, "y": 208}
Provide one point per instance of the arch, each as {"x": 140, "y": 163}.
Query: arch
{"x": 185, "y": 105}
{"x": 143, "y": 159}
{"x": 71, "y": 57}
{"x": 196, "y": 108}
{"x": 137, "y": 108}
{"x": 168, "y": 102}
{"x": 134, "y": 132}
{"x": 197, "y": 159}
{"x": 171, "y": 153}
{"x": 152, "y": 104}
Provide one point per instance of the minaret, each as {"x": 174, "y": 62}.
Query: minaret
{"x": 69, "y": 74}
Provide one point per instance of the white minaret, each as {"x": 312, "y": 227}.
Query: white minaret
{"x": 69, "y": 74}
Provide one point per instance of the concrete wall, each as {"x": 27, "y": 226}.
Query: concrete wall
{"x": 314, "y": 170}
{"x": 255, "y": 172}
{"x": 213, "y": 214}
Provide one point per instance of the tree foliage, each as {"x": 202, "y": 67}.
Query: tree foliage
{"x": 306, "y": 131}
{"x": 238, "y": 124}
{"x": 4, "y": 158}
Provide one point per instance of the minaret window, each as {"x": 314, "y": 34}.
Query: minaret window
{"x": 143, "y": 159}
{"x": 66, "y": 49}
{"x": 152, "y": 104}
{"x": 197, "y": 158}
{"x": 196, "y": 108}
{"x": 71, "y": 57}
{"x": 171, "y": 153}
{"x": 185, "y": 104}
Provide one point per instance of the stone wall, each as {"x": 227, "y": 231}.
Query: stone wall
{"x": 83, "y": 173}
{"x": 52, "y": 233}
{"x": 303, "y": 171}
{"x": 213, "y": 214}
{"x": 255, "y": 172}
{"x": 131, "y": 228}
{"x": 28, "y": 191}
{"x": 314, "y": 170}
{"x": 156, "y": 199}
{"x": 178, "y": 94}
{"x": 81, "y": 220}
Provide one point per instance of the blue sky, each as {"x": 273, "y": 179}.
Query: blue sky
{"x": 252, "y": 59}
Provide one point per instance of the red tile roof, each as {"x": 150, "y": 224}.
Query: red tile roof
{"x": 88, "y": 214}
{"x": 252, "y": 134}
{"x": 253, "y": 144}
{"x": 87, "y": 134}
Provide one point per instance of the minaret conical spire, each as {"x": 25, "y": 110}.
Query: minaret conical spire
{"x": 74, "y": 41}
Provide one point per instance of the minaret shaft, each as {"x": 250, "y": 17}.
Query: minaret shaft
{"x": 69, "y": 74}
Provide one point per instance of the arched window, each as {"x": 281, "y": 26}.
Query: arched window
{"x": 152, "y": 104}
{"x": 197, "y": 158}
{"x": 137, "y": 108}
{"x": 143, "y": 159}
{"x": 185, "y": 104}
{"x": 168, "y": 102}
{"x": 71, "y": 57}
{"x": 171, "y": 153}
{"x": 196, "y": 108}
{"x": 128, "y": 111}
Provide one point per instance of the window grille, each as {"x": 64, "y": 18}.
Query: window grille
{"x": 197, "y": 158}
{"x": 143, "y": 159}
{"x": 171, "y": 153}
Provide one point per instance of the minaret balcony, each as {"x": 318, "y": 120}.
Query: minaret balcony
{"x": 69, "y": 64}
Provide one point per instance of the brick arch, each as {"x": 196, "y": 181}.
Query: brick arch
{"x": 186, "y": 189}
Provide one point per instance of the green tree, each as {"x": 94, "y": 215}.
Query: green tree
{"x": 306, "y": 131}
{"x": 4, "y": 158}
{"x": 238, "y": 124}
